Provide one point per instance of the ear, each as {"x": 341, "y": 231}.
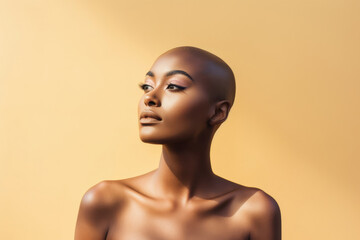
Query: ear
{"x": 220, "y": 114}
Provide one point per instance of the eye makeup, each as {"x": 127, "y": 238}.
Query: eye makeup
{"x": 170, "y": 86}
{"x": 175, "y": 87}
{"x": 173, "y": 84}
{"x": 145, "y": 86}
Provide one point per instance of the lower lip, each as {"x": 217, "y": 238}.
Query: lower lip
{"x": 149, "y": 120}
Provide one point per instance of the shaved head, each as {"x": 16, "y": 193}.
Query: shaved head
{"x": 211, "y": 70}
{"x": 191, "y": 90}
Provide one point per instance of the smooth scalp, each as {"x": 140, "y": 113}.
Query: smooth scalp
{"x": 211, "y": 69}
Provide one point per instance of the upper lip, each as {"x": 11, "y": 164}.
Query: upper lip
{"x": 149, "y": 114}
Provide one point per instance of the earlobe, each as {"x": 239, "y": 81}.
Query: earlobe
{"x": 220, "y": 114}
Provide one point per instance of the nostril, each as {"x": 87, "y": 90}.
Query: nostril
{"x": 151, "y": 103}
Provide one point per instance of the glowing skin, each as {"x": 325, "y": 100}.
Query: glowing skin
{"x": 188, "y": 93}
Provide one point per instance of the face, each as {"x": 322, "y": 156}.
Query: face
{"x": 175, "y": 106}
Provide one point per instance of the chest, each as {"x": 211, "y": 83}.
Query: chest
{"x": 137, "y": 222}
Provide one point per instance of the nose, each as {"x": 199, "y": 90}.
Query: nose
{"x": 151, "y": 99}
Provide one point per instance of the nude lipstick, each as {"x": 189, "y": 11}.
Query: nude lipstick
{"x": 148, "y": 117}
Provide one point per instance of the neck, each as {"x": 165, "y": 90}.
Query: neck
{"x": 184, "y": 170}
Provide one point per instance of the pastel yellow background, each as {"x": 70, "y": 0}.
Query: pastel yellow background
{"x": 69, "y": 72}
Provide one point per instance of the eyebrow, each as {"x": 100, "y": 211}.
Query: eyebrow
{"x": 173, "y": 72}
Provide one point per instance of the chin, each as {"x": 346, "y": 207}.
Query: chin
{"x": 151, "y": 140}
{"x": 152, "y": 137}
{"x": 165, "y": 136}
{"x": 157, "y": 139}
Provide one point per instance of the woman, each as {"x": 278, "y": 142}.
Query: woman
{"x": 188, "y": 93}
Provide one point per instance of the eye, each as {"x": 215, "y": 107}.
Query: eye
{"x": 175, "y": 87}
{"x": 145, "y": 87}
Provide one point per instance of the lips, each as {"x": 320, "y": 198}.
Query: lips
{"x": 148, "y": 116}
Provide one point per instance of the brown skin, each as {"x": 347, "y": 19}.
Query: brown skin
{"x": 182, "y": 198}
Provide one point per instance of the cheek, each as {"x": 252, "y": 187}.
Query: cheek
{"x": 182, "y": 110}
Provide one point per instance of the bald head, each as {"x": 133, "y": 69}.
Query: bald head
{"x": 211, "y": 70}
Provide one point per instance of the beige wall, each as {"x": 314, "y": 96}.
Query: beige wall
{"x": 68, "y": 95}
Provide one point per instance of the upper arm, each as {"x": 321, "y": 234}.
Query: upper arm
{"x": 266, "y": 217}
{"x": 95, "y": 212}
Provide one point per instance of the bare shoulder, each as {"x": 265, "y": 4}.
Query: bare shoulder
{"x": 261, "y": 204}
{"x": 97, "y": 208}
{"x": 100, "y": 201}
{"x": 263, "y": 214}
{"x": 102, "y": 194}
{"x": 110, "y": 194}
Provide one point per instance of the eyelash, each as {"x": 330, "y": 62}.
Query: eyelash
{"x": 143, "y": 86}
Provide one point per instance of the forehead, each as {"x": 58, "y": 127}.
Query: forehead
{"x": 204, "y": 71}
{"x": 178, "y": 61}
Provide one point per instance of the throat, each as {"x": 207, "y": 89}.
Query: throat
{"x": 182, "y": 175}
